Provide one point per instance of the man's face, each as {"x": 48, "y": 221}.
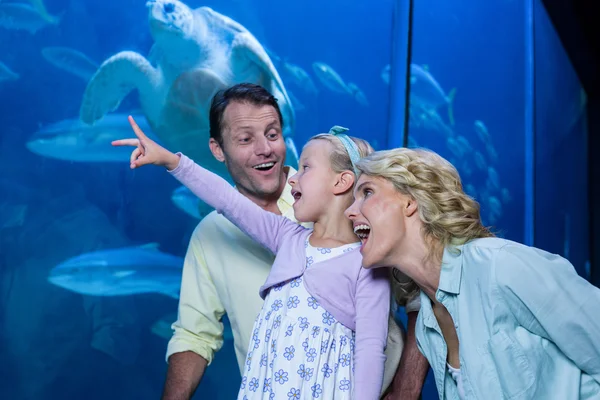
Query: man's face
{"x": 253, "y": 149}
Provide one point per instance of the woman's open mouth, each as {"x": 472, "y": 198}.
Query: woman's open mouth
{"x": 362, "y": 231}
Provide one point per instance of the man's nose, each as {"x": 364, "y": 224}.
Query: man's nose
{"x": 263, "y": 147}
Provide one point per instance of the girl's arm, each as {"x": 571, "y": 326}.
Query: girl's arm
{"x": 263, "y": 226}
{"x": 373, "y": 296}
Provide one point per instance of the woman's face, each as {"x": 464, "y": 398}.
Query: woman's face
{"x": 379, "y": 217}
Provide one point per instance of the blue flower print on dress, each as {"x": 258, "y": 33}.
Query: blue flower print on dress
{"x": 311, "y": 355}
{"x": 326, "y": 370}
{"x": 302, "y": 371}
{"x": 328, "y": 318}
{"x": 289, "y": 330}
{"x": 323, "y": 250}
{"x": 281, "y": 377}
{"x": 345, "y": 384}
{"x": 296, "y": 282}
{"x": 315, "y": 331}
{"x": 267, "y": 385}
{"x": 293, "y": 394}
{"x": 305, "y": 344}
{"x": 316, "y": 390}
{"x": 305, "y": 373}
{"x": 309, "y": 261}
{"x": 289, "y": 353}
{"x": 293, "y": 302}
{"x": 303, "y": 323}
{"x": 345, "y": 360}
{"x": 313, "y": 303}
{"x": 276, "y": 305}
{"x": 254, "y": 384}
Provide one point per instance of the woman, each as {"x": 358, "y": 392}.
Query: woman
{"x": 498, "y": 319}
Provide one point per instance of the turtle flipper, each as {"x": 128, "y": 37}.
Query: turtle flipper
{"x": 246, "y": 47}
{"x": 114, "y": 79}
{"x": 190, "y": 96}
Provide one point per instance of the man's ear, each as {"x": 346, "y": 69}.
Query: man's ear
{"x": 344, "y": 182}
{"x": 216, "y": 150}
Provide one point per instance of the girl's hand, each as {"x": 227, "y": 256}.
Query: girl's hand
{"x": 147, "y": 151}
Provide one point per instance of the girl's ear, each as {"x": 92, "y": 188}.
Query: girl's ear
{"x": 344, "y": 182}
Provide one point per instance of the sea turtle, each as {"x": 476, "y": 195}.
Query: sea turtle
{"x": 196, "y": 52}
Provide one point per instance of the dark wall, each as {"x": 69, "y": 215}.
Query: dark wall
{"x": 577, "y": 24}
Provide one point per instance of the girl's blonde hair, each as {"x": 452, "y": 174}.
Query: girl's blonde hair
{"x": 340, "y": 159}
{"x": 449, "y": 216}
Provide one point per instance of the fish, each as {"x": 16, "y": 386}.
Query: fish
{"x": 427, "y": 92}
{"x": 358, "y": 94}
{"x": 6, "y": 74}
{"x": 482, "y": 131}
{"x": 480, "y": 161}
{"x": 493, "y": 181}
{"x": 71, "y": 60}
{"x": 588, "y": 269}
{"x": 120, "y": 271}
{"x": 163, "y": 327}
{"x": 21, "y": 16}
{"x": 72, "y": 140}
{"x": 40, "y": 7}
{"x": 329, "y": 78}
{"x": 300, "y": 77}
{"x": 385, "y": 73}
{"x": 189, "y": 203}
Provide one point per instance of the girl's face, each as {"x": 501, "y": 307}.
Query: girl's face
{"x": 312, "y": 185}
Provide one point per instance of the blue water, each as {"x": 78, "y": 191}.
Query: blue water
{"x": 502, "y": 57}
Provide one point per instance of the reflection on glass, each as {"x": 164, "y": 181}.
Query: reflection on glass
{"x": 91, "y": 252}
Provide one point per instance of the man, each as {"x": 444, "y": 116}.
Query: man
{"x": 224, "y": 268}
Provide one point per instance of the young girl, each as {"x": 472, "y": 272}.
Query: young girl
{"x": 323, "y": 326}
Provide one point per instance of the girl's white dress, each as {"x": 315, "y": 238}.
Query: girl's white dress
{"x": 299, "y": 350}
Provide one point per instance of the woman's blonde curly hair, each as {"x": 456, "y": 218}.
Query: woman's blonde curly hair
{"x": 449, "y": 216}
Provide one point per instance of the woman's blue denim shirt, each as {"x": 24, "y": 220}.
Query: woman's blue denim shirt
{"x": 528, "y": 324}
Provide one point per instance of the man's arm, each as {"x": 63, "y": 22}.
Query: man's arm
{"x": 412, "y": 371}
{"x": 198, "y": 331}
{"x": 183, "y": 375}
